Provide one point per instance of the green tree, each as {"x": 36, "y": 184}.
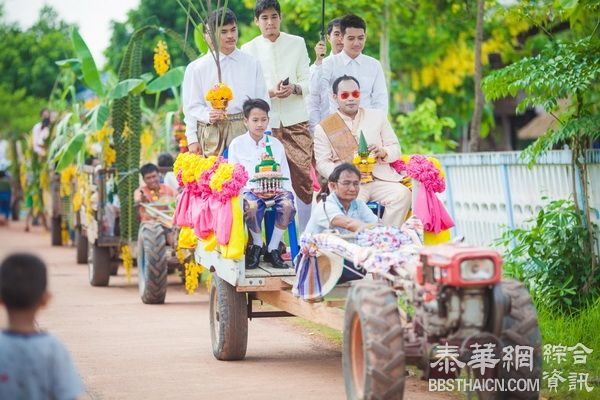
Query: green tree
{"x": 27, "y": 57}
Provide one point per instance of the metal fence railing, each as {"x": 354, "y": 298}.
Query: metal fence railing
{"x": 487, "y": 192}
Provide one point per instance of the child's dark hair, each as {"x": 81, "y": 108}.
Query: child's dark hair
{"x": 165, "y": 160}
{"x": 341, "y": 79}
{"x": 148, "y": 169}
{"x": 262, "y": 5}
{"x": 216, "y": 19}
{"x": 335, "y": 176}
{"x": 251, "y": 104}
{"x": 352, "y": 21}
{"x": 23, "y": 281}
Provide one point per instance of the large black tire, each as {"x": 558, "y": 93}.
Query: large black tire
{"x": 56, "y": 231}
{"x": 152, "y": 263}
{"x": 81, "y": 245}
{"x": 98, "y": 265}
{"x": 520, "y": 327}
{"x": 373, "y": 350}
{"x": 228, "y": 321}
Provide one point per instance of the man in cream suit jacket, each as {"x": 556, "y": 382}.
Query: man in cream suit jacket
{"x": 336, "y": 141}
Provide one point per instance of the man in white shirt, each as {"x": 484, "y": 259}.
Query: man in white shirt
{"x": 209, "y": 131}
{"x": 317, "y": 105}
{"x": 285, "y": 63}
{"x": 336, "y": 142}
{"x": 352, "y": 62}
{"x": 250, "y": 150}
{"x": 40, "y": 133}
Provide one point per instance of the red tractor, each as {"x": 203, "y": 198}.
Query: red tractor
{"x": 449, "y": 313}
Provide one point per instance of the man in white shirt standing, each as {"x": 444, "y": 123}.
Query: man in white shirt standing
{"x": 352, "y": 62}
{"x": 285, "y": 63}
{"x": 40, "y": 133}
{"x": 317, "y": 104}
{"x": 209, "y": 131}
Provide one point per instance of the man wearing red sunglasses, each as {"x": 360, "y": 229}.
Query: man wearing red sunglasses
{"x": 336, "y": 141}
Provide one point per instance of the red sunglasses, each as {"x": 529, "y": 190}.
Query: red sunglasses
{"x": 354, "y": 93}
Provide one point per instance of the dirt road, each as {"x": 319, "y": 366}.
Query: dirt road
{"x": 127, "y": 350}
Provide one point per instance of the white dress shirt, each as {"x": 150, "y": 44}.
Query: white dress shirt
{"x": 368, "y": 71}
{"x": 39, "y": 136}
{"x": 244, "y": 150}
{"x": 317, "y": 104}
{"x": 286, "y": 57}
{"x": 240, "y": 71}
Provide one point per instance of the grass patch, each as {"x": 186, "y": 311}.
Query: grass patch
{"x": 332, "y": 335}
{"x": 568, "y": 330}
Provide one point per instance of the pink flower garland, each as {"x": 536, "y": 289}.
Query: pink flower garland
{"x": 233, "y": 186}
{"x": 422, "y": 170}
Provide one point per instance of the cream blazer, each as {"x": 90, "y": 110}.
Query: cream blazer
{"x": 377, "y": 130}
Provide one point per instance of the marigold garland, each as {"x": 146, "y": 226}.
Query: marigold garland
{"x": 66, "y": 180}
{"x": 162, "y": 59}
{"x": 127, "y": 260}
{"x": 219, "y": 95}
{"x": 222, "y": 174}
{"x": 193, "y": 271}
{"x": 187, "y": 238}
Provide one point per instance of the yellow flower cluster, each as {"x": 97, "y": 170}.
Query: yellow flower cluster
{"x": 146, "y": 138}
{"x": 192, "y": 166}
{"x": 219, "y": 95}
{"x": 127, "y": 260}
{"x": 64, "y": 233}
{"x": 223, "y": 173}
{"x": 103, "y": 137}
{"x": 192, "y": 276}
{"x": 91, "y": 103}
{"x": 66, "y": 180}
{"x": 109, "y": 156}
{"x": 162, "y": 59}
{"x": 449, "y": 72}
{"x": 187, "y": 238}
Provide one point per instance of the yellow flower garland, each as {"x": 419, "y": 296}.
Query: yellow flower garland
{"x": 127, "y": 260}
{"x": 162, "y": 59}
{"x": 187, "y": 238}
{"x": 66, "y": 180}
{"x": 223, "y": 173}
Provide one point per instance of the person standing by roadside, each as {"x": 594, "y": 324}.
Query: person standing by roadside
{"x": 285, "y": 64}
{"x": 352, "y": 62}
{"x": 209, "y": 131}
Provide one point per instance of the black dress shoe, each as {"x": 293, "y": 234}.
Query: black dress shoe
{"x": 253, "y": 256}
{"x": 274, "y": 257}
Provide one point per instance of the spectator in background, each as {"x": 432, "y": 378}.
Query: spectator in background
{"x": 40, "y": 133}
{"x": 165, "y": 160}
{"x": 33, "y": 364}
{"x": 317, "y": 103}
{"x": 352, "y": 62}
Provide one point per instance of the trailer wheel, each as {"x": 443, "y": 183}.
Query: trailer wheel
{"x": 56, "y": 231}
{"x": 520, "y": 327}
{"x": 228, "y": 321}
{"x": 98, "y": 265}
{"x": 152, "y": 263}
{"x": 81, "y": 244}
{"x": 373, "y": 349}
